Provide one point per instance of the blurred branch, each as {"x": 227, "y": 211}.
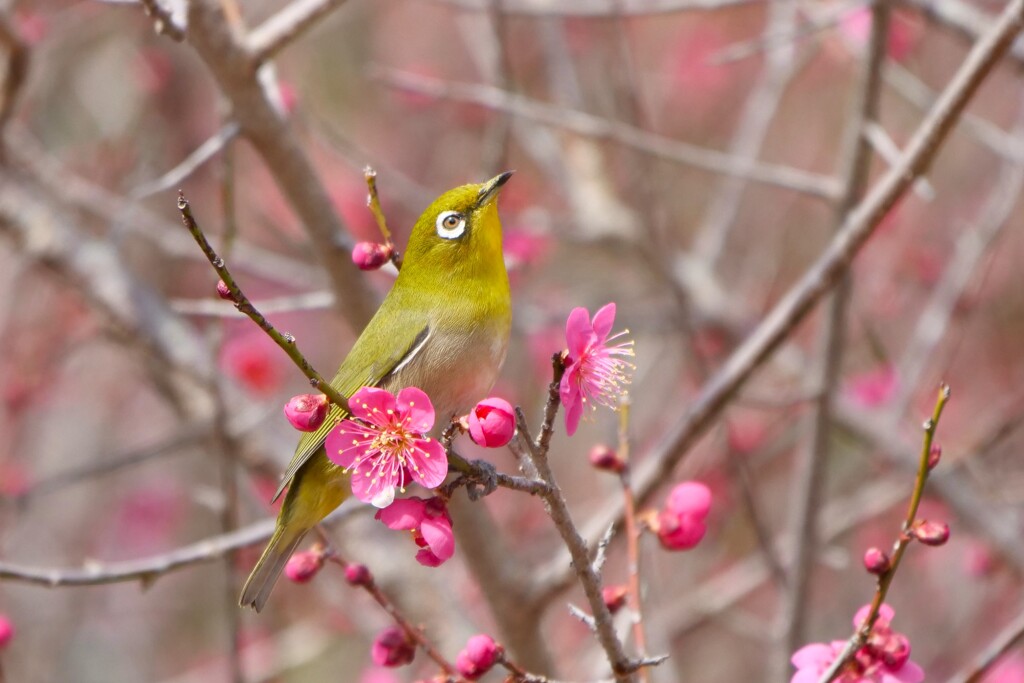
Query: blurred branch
{"x": 215, "y": 308}
{"x": 15, "y": 74}
{"x": 598, "y": 8}
{"x": 819, "y": 278}
{"x": 173, "y": 178}
{"x": 163, "y": 20}
{"x": 1006, "y": 639}
{"x": 149, "y": 569}
{"x": 591, "y": 126}
{"x": 235, "y": 72}
{"x": 809, "y": 465}
{"x": 961, "y": 17}
{"x": 280, "y": 30}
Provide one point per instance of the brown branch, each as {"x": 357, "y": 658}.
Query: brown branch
{"x": 809, "y": 469}
{"x": 14, "y": 77}
{"x": 163, "y": 20}
{"x": 288, "y": 24}
{"x": 1009, "y": 637}
{"x": 149, "y": 569}
{"x": 599, "y": 8}
{"x": 285, "y": 342}
{"x": 234, "y": 69}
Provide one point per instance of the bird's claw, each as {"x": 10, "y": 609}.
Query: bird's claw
{"x": 483, "y": 481}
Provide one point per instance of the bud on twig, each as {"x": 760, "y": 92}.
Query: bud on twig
{"x": 930, "y": 533}
{"x": 934, "y": 455}
{"x": 604, "y": 457}
{"x": 223, "y": 292}
{"x": 371, "y": 255}
{"x": 876, "y": 561}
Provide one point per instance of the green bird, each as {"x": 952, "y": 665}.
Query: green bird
{"x": 443, "y": 327}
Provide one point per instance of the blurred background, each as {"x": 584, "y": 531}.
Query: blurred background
{"x": 682, "y": 159}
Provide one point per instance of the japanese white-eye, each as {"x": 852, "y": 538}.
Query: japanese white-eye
{"x": 443, "y": 327}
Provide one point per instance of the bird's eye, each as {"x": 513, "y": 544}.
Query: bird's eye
{"x": 450, "y": 225}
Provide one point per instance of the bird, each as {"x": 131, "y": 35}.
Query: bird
{"x": 443, "y": 327}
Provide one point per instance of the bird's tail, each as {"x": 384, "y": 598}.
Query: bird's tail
{"x": 266, "y": 572}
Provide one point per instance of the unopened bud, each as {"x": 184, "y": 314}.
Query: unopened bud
{"x": 303, "y": 566}
{"x": 306, "y": 412}
{"x": 480, "y": 654}
{"x": 604, "y": 457}
{"x": 358, "y": 575}
{"x": 614, "y": 597}
{"x": 223, "y": 292}
{"x": 930, "y": 533}
{"x": 934, "y": 455}
{"x": 876, "y": 561}
{"x": 371, "y": 255}
{"x": 392, "y": 648}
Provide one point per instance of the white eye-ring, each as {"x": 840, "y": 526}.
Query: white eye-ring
{"x": 450, "y": 225}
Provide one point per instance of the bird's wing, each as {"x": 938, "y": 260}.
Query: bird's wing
{"x": 367, "y": 365}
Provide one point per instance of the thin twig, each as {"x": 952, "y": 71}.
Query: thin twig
{"x": 632, "y": 531}
{"x": 600, "y": 8}
{"x": 14, "y": 77}
{"x": 900, "y": 548}
{"x": 174, "y": 177}
{"x": 284, "y": 27}
{"x": 163, "y": 20}
{"x": 373, "y": 203}
{"x": 1009, "y": 637}
{"x": 286, "y": 342}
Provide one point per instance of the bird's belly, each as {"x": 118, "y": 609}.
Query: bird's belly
{"x": 455, "y": 371}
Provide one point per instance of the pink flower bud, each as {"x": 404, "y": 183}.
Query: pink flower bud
{"x": 893, "y": 650}
{"x": 306, "y": 412}
{"x": 876, "y": 561}
{"x": 604, "y": 457}
{"x": 492, "y": 422}
{"x": 680, "y": 525}
{"x": 223, "y": 292}
{"x": 930, "y": 533}
{"x": 6, "y": 631}
{"x": 480, "y": 654}
{"x": 934, "y": 455}
{"x": 614, "y": 597}
{"x": 358, "y": 575}
{"x": 371, "y": 255}
{"x": 303, "y": 566}
{"x": 392, "y": 648}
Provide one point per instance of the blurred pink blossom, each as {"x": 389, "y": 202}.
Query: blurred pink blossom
{"x": 978, "y": 560}
{"x": 384, "y": 444}
{"x": 152, "y": 70}
{"x": 254, "y": 361}
{"x": 903, "y": 32}
{"x": 375, "y": 675}
{"x": 6, "y": 631}
{"x": 430, "y": 523}
{"x": 596, "y": 372}
{"x": 873, "y": 388}
{"x": 304, "y": 565}
{"x": 392, "y": 648}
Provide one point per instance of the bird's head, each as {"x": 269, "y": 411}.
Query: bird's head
{"x": 459, "y": 233}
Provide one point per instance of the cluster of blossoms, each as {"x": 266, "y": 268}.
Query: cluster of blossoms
{"x": 884, "y": 658}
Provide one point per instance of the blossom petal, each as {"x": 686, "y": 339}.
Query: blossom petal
{"x": 404, "y": 514}
{"x": 603, "y": 321}
{"x": 415, "y": 405}
{"x": 573, "y": 413}
{"x": 372, "y": 404}
{"x": 690, "y": 498}
{"x": 384, "y": 497}
{"x": 341, "y": 443}
{"x": 437, "y": 532}
{"x": 428, "y": 463}
{"x": 578, "y": 332}
{"x": 816, "y": 656}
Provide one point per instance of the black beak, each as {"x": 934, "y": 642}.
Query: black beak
{"x": 490, "y": 189}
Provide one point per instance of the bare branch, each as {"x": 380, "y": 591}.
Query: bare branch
{"x": 280, "y": 30}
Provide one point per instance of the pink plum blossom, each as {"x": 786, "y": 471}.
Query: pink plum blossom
{"x": 680, "y": 524}
{"x": 255, "y": 361}
{"x": 306, "y": 412}
{"x": 384, "y": 445}
{"x": 492, "y": 422}
{"x": 595, "y": 371}
{"x": 885, "y": 657}
{"x": 430, "y": 524}
{"x": 1009, "y": 669}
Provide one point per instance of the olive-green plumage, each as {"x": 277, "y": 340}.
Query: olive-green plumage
{"x": 443, "y": 327}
